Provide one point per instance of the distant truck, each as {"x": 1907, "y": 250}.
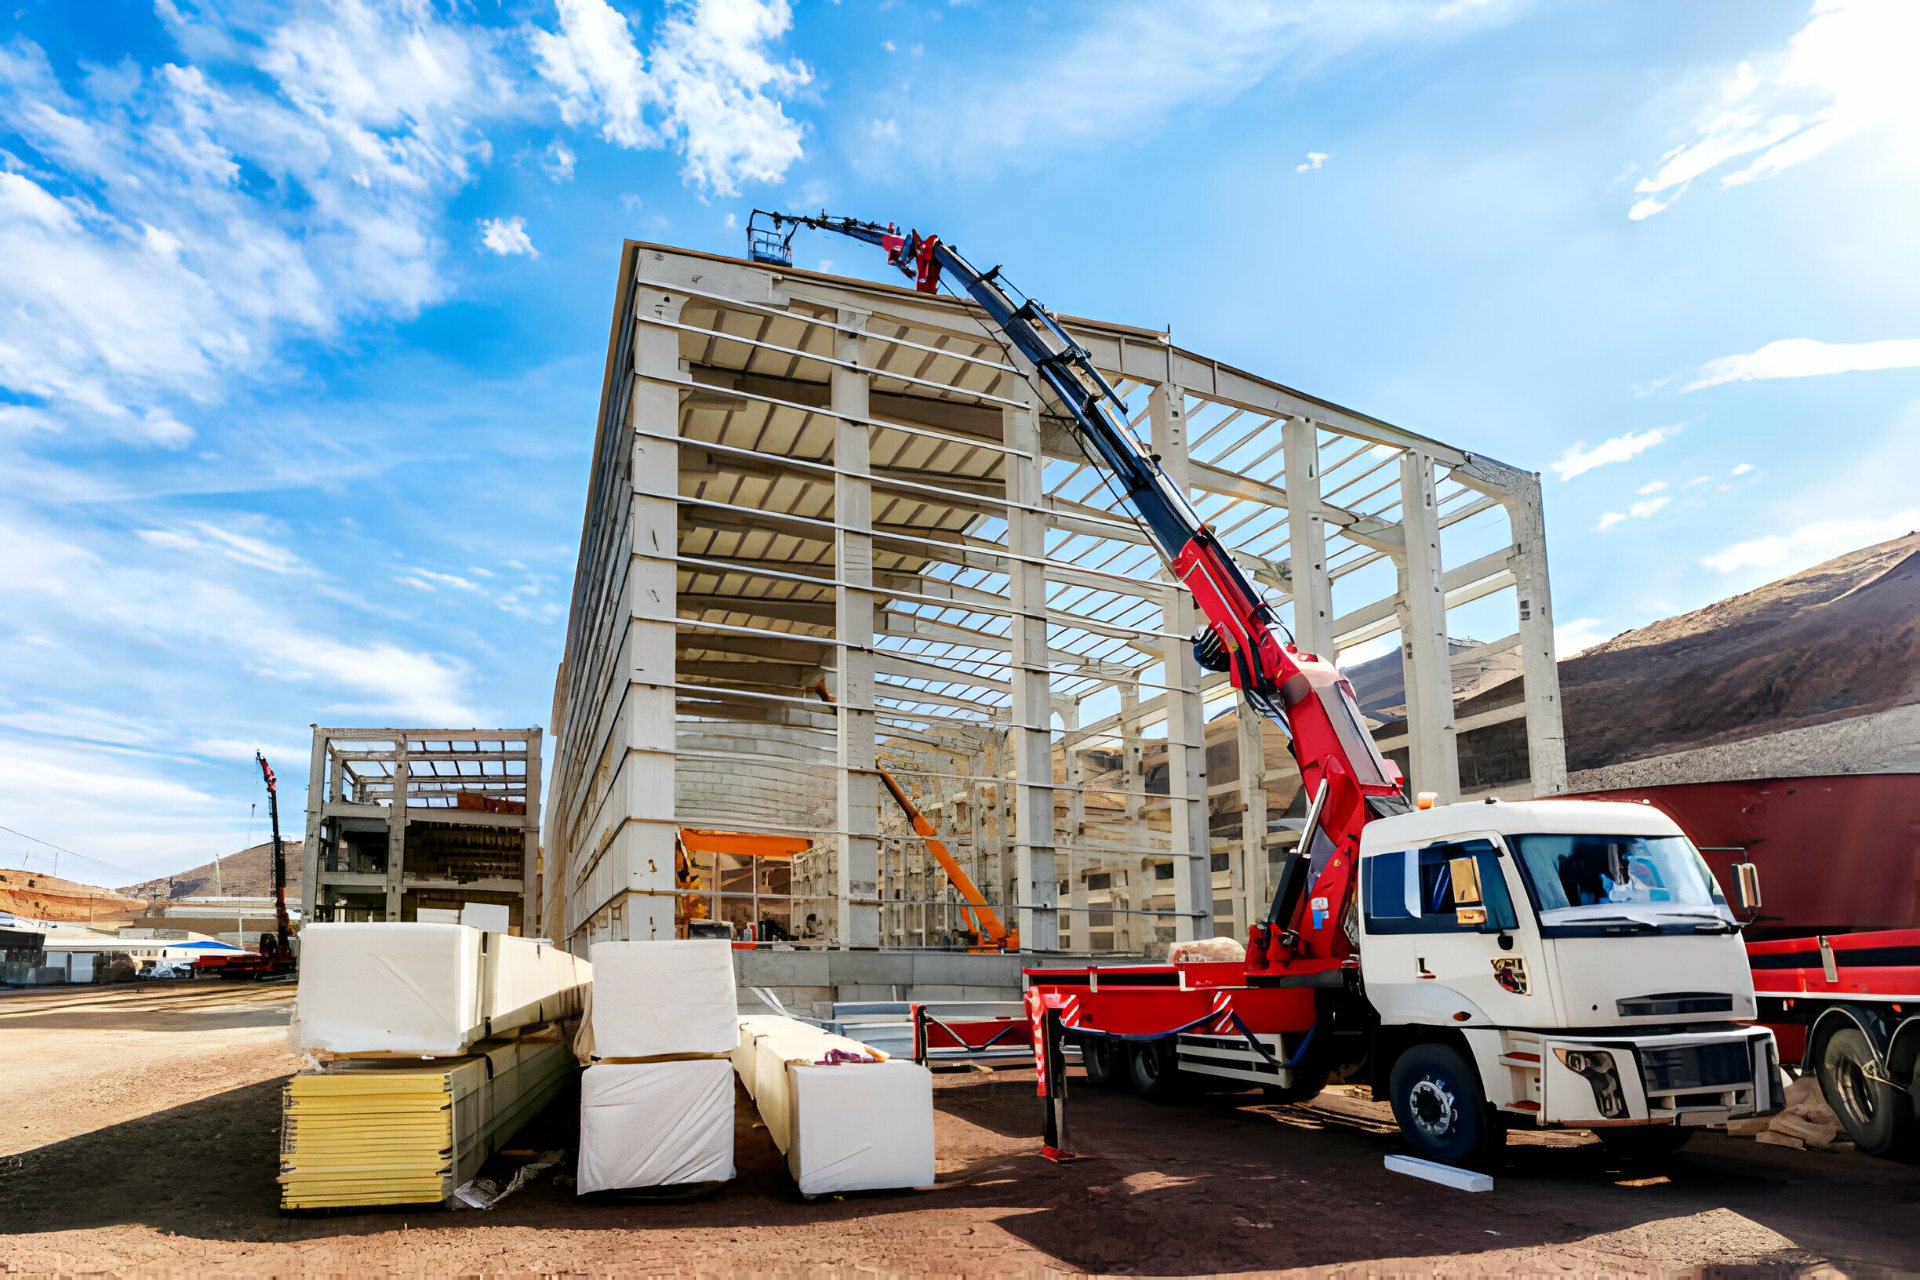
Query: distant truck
{"x": 1558, "y": 963}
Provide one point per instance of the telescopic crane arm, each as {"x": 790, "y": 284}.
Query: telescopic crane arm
{"x": 1349, "y": 781}
{"x": 282, "y": 925}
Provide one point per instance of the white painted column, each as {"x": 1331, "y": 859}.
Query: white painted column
{"x": 1035, "y": 879}
{"x": 1186, "y": 728}
{"x": 1077, "y": 933}
{"x": 1250, "y": 875}
{"x": 1540, "y": 676}
{"x": 1137, "y": 879}
{"x": 857, "y": 852}
{"x": 1433, "y": 752}
{"x": 639, "y": 863}
{"x": 1307, "y": 540}
{"x": 533, "y": 907}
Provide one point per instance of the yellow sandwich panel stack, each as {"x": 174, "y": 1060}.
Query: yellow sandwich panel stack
{"x": 379, "y": 1132}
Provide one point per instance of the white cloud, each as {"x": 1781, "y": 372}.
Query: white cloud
{"x": 1579, "y": 458}
{"x": 1579, "y": 635}
{"x": 203, "y": 538}
{"x": 1811, "y": 543}
{"x": 597, "y": 71}
{"x": 1743, "y": 468}
{"x": 1697, "y": 481}
{"x": 558, "y": 161}
{"x": 1642, "y": 510}
{"x": 1313, "y": 161}
{"x": 1023, "y": 109}
{"x": 1651, "y": 486}
{"x": 507, "y": 237}
{"x": 1846, "y": 73}
{"x": 711, "y": 85}
{"x": 1808, "y": 358}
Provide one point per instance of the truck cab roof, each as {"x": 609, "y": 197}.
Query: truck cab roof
{"x": 1523, "y": 817}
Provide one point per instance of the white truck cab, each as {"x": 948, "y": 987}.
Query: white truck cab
{"x": 1555, "y": 962}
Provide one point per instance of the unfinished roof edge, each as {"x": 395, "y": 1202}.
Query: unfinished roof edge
{"x": 1478, "y": 469}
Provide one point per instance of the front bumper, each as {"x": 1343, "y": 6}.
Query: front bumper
{"x": 1699, "y": 1078}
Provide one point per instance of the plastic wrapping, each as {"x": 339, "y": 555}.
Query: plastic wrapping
{"x": 388, "y": 988}
{"x": 861, "y": 1127}
{"x": 652, "y": 999}
{"x": 655, "y": 1124}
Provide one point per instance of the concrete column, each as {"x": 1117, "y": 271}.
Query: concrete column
{"x": 1077, "y": 933}
{"x": 1540, "y": 676}
{"x": 857, "y": 848}
{"x": 533, "y": 908}
{"x": 397, "y": 831}
{"x": 1307, "y": 540}
{"x": 1036, "y": 882}
{"x": 311, "y": 854}
{"x": 1186, "y": 729}
{"x": 1433, "y": 752}
{"x": 639, "y": 865}
{"x": 1250, "y": 871}
{"x": 1137, "y": 879}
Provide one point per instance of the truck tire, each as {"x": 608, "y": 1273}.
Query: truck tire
{"x": 1876, "y": 1115}
{"x": 1643, "y": 1144}
{"x": 1155, "y": 1069}
{"x": 1440, "y": 1107}
{"x": 1103, "y": 1060}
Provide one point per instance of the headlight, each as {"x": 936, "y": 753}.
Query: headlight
{"x": 1596, "y": 1066}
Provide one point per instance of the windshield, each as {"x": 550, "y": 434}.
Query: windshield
{"x": 1661, "y": 873}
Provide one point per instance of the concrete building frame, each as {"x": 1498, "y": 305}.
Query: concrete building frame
{"x": 800, "y": 477}
{"x": 468, "y": 830}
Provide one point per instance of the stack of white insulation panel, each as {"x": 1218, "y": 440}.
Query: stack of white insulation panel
{"x": 373, "y": 1123}
{"x": 425, "y": 988}
{"x": 860, "y": 1125}
{"x": 656, "y": 1104}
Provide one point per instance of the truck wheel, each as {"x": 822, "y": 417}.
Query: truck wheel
{"x": 1439, "y": 1105}
{"x": 1643, "y": 1144}
{"x": 1101, "y": 1059}
{"x": 1877, "y": 1116}
{"x": 1155, "y": 1070}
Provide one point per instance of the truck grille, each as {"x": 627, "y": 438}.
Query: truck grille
{"x": 1691, "y": 1068}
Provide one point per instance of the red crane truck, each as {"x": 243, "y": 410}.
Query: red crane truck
{"x": 1552, "y": 962}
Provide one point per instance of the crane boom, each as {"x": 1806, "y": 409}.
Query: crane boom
{"x": 1303, "y": 693}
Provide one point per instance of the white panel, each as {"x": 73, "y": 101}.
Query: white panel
{"x": 530, "y": 980}
{"x": 655, "y": 998}
{"x": 655, "y": 1124}
{"x": 387, "y": 988}
{"x": 861, "y": 1127}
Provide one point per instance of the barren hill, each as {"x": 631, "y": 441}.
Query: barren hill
{"x": 248, "y": 873}
{"x": 37, "y": 896}
{"x": 1839, "y": 640}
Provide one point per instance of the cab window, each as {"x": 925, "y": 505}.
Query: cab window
{"x": 1411, "y": 891}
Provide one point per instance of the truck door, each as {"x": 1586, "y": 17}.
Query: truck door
{"x": 1425, "y": 960}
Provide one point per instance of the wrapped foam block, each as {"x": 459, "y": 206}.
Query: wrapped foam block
{"x": 388, "y": 988}
{"x": 861, "y": 1127}
{"x": 655, "y": 1124}
{"x": 752, "y": 1027}
{"x": 529, "y": 980}
{"x": 656, "y": 998}
{"x": 780, "y": 1045}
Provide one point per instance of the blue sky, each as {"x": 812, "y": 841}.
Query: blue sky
{"x": 303, "y": 307}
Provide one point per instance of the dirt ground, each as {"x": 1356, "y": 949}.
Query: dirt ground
{"x": 141, "y": 1135}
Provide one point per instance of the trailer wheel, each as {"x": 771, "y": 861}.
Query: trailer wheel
{"x": 1155, "y": 1069}
{"x": 1877, "y": 1116}
{"x": 1439, "y": 1105}
{"x": 1101, "y": 1059}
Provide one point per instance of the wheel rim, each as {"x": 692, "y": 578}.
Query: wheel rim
{"x": 1433, "y": 1108}
{"x": 1856, "y": 1090}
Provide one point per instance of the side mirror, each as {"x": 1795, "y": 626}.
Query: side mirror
{"x": 1746, "y": 887}
{"x": 1469, "y": 909}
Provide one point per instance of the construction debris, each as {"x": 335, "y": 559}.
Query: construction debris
{"x": 1806, "y": 1122}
